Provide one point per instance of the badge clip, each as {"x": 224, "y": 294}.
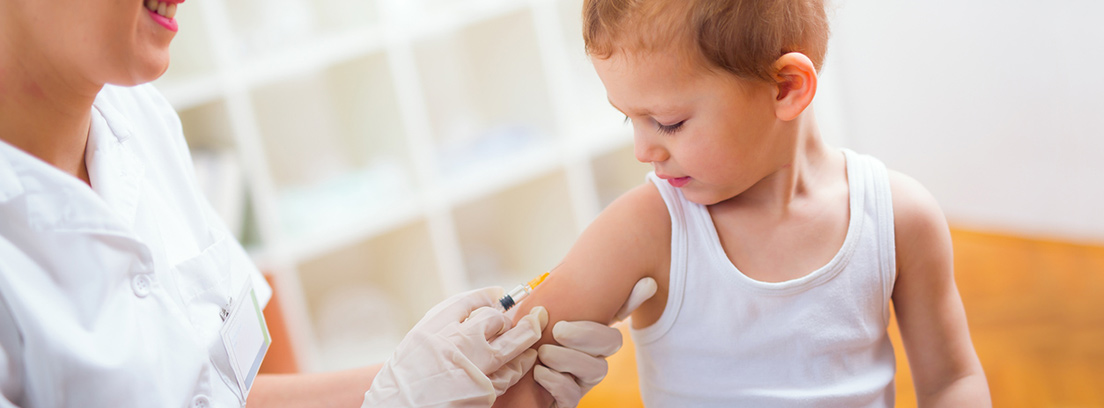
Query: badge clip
{"x": 225, "y": 313}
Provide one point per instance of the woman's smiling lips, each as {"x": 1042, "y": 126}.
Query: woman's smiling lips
{"x": 163, "y": 12}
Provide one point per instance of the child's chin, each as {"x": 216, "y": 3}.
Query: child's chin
{"x": 701, "y": 197}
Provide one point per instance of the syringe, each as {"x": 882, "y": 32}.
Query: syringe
{"x": 516, "y": 295}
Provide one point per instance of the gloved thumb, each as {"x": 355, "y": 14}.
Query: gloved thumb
{"x": 642, "y": 291}
{"x": 592, "y": 338}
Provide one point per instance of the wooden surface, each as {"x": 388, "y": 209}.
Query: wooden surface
{"x": 280, "y": 358}
{"x": 620, "y": 387}
{"x": 1036, "y": 314}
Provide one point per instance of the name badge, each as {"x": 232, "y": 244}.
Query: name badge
{"x": 246, "y": 337}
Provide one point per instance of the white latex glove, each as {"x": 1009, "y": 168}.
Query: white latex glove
{"x": 569, "y": 370}
{"x": 459, "y": 355}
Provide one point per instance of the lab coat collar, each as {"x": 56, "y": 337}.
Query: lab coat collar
{"x": 54, "y": 197}
{"x": 10, "y": 186}
{"x": 115, "y": 171}
{"x": 117, "y": 124}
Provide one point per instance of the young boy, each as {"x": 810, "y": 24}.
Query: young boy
{"x": 776, "y": 255}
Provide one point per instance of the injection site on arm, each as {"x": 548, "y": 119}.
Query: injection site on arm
{"x": 519, "y": 293}
{"x": 628, "y": 241}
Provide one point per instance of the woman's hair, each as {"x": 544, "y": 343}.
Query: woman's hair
{"x": 743, "y": 37}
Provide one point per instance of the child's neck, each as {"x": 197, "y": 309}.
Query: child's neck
{"x": 804, "y": 164}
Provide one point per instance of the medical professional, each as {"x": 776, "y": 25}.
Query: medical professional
{"x": 120, "y": 287}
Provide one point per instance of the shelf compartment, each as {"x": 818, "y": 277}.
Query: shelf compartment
{"x": 207, "y": 126}
{"x": 303, "y": 58}
{"x": 485, "y": 92}
{"x": 334, "y": 145}
{"x": 421, "y": 17}
{"x": 616, "y": 172}
{"x": 218, "y": 170}
{"x": 270, "y": 26}
{"x": 345, "y": 15}
{"x": 363, "y": 298}
{"x": 514, "y": 235}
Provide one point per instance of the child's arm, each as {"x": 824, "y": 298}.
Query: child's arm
{"x": 630, "y": 240}
{"x": 945, "y": 368}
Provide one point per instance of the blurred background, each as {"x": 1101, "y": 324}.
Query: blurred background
{"x": 376, "y": 156}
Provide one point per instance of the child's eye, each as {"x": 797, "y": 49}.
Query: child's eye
{"x": 669, "y": 129}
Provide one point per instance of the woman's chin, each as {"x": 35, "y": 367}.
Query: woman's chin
{"x": 143, "y": 72}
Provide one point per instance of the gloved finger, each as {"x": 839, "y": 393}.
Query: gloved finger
{"x": 518, "y": 339}
{"x": 562, "y": 387}
{"x": 588, "y": 370}
{"x": 589, "y": 337}
{"x": 485, "y": 321}
{"x": 473, "y": 338}
{"x": 458, "y": 307}
{"x": 642, "y": 291}
{"x": 511, "y": 372}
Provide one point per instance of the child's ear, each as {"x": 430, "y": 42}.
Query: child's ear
{"x": 795, "y": 85}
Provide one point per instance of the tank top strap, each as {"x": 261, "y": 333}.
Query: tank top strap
{"x": 683, "y": 216}
{"x": 872, "y": 173}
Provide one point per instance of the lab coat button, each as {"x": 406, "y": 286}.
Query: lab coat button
{"x": 141, "y": 285}
{"x": 201, "y": 401}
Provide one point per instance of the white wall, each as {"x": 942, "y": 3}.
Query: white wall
{"x": 996, "y": 106}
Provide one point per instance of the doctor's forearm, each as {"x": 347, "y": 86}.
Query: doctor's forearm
{"x": 331, "y": 389}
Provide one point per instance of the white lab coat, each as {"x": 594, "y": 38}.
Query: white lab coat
{"x": 110, "y": 296}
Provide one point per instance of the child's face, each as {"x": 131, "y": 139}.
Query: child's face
{"x": 100, "y": 41}
{"x": 706, "y": 132}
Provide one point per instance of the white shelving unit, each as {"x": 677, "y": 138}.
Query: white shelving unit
{"x": 392, "y": 152}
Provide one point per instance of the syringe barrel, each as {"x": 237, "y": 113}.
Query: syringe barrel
{"x": 519, "y": 293}
{"x": 513, "y": 297}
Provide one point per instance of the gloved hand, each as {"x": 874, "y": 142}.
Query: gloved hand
{"x": 459, "y": 355}
{"x": 569, "y": 370}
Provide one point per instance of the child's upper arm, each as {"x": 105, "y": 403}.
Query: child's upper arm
{"x": 628, "y": 241}
{"x": 928, "y": 307}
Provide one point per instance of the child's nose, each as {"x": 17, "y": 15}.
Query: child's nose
{"x": 647, "y": 151}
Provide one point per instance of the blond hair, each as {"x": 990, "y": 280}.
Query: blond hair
{"x": 743, "y": 37}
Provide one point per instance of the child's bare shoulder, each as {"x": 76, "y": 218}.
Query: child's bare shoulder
{"x": 635, "y": 229}
{"x": 920, "y": 228}
{"x": 643, "y": 211}
{"x": 628, "y": 241}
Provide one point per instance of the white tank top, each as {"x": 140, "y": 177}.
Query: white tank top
{"x": 726, "y": 340}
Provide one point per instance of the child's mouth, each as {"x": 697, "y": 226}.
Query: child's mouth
{"x": 679, "y": 182}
